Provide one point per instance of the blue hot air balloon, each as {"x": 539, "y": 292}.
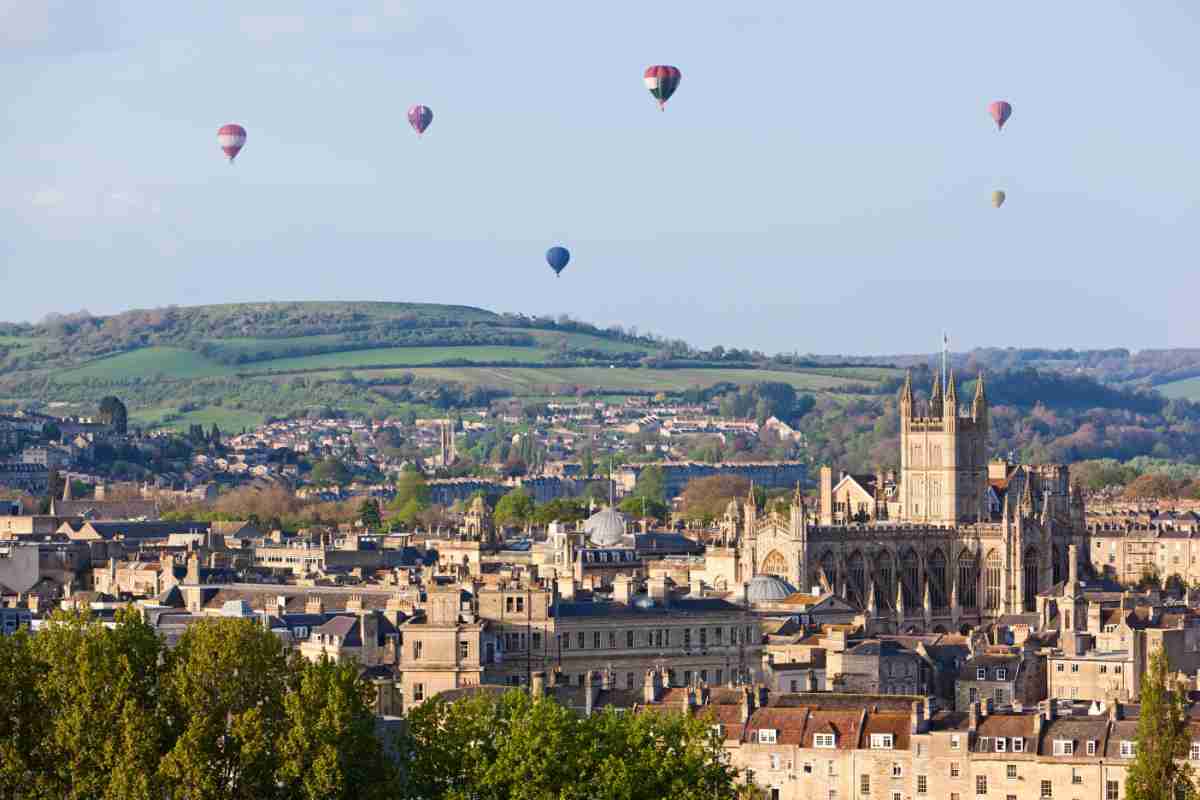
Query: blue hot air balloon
{"x": 557, "y": 257}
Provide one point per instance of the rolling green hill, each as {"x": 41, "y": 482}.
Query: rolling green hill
{"x": 236, "y": 364}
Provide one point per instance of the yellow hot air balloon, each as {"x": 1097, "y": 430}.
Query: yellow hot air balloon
{"x": 997, "y": 198}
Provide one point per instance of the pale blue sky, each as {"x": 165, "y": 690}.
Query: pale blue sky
{"x": 821, "y": 164}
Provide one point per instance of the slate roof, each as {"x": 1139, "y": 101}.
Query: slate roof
{"x": 679, "y": 606}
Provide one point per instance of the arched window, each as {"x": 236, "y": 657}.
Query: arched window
{"x": 1056, "y": 565}
{"x": 885, "y": 578}
{"x": 856, "y": 587}
{"x": 991, "y": 581}
{"x": 937, "y": 580}
{"x": 775, "y": 564}
{"x": 830, "y": 570}
{"x": 968, "y": 580}
{"x": 1029, "y": 566}
{"x": 910, "y": 577}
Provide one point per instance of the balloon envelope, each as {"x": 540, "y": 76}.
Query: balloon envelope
{"x": 1000, "y": 111}
{"x": 232, "y": 138}
{"x": 557, "y": 257}
{"x": 420, "y": 117}
{"x": 662, "y": 81}
{"x": 997, "y": 198}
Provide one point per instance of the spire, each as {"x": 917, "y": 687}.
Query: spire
{"x": 67, "y": 487}
{"x": 906, "y": 395}
{"x": 951, "y": 392}
{"x": 935, "y": 396}
{"x": 751, "y": 503}
{"x": 1027, "y": 494}
{"x": 979, "y": 404}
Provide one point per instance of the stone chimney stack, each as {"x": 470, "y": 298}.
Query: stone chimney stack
{"x": 656, "y": 587}
{"x": 917, "y": 721}
{"x": 355, "y": 603}
{"x": 314, "y": 605}
{"x": 1073, "y": 567}
{"x": 826, "y": 495}
{"x": 1047, "y": 710}
{"x": 622, "y": 590}
{"x": 747, "y": 703}
{"x": 973, "y": 718}
{"x": 193, "y": 570}
{"x": 566, "y": 587}
{"x": 589, "y": 693}
{"x": 652, "y": 689}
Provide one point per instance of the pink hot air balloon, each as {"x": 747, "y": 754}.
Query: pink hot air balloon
{"x": 231, "y": 138}
{"x": 1000, "y": 111}
{"x": 420, "y": 117}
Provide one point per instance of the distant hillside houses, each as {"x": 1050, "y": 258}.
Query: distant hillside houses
{"x": 676, "y": 474}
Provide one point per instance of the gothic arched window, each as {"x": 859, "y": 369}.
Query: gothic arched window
{"x": 991, "y": 581}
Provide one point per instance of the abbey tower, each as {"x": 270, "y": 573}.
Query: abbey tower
{"x": 943, "y": 456}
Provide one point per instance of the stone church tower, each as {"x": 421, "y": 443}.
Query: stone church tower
{"x": 943, "y": 456}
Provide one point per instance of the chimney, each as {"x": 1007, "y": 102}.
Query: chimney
{"x": 826, "y": 496}
{"x": 1073, "y": 566}
{"x": 973, "y": 718}
{"x": 1047, "y": 710}
{"x": 695, "y": 585}
{"x": 193, "y": 570}
{"x": 917, "y": 720}
{"x": 566, "y": 587}
{"x": 656, "y": 587}
{"x": 537, "y": 684}
{"x": 747, "y": 704}
{"x": 812, "y": 680}
{"x": 355, "y": 603}
{"x": 985, "y": 707}
{"x": 606, "y": 680}
{"x": 622, "y": 590}
{"x": 652, "y": 689}
{"x": 314, "y": 605}
{"x": 589, "y": 694}
{"x": 1114, "y": 711}
{"x": 33, "y": 602}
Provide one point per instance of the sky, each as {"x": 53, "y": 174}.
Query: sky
{"x": 820, "y": 182}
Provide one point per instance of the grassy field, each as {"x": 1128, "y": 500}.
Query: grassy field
{"x": 1187, "y": 389}
{"x": 527, "y": 381}
{"x": 149, "y": 362}
{"x": 552, "y": 339}
{"x": 227, "y": 419}
{"x": 401, "y": 355}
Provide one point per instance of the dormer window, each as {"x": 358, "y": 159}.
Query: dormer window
{"x": 825, "y": 740}
{"x": 981, "y": 674}
{"x": 1001, "y": 674}
{"x": 1018, "y": 745}
{"x": 881, "y": 741}
{"x": 1064, "y": 747}
{"x": 1128, "y": 748}
{"x": 1001, "y": 744}
{"x": 767, "y": 735}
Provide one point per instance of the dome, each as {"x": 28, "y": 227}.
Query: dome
{"x": 768, "y": 589}
{"x": 605, "y": 528}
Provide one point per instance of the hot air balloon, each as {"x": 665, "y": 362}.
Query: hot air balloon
{"x": 232, "y": 138}
{"x": 997, "y": 198}
{"x": 557, "y": 257}
{"x": 662, "y": 81}
{"x": 1000, "y": 111}
{"x": 420, "y": 117}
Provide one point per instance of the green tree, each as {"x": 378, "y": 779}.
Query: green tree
{"x": 23, "y": 723}
{"x": 651, "y": 484}
{"x": 1160, "y": 770}
{"x": 412, "y": 497}
{"x": 368, "y": 512}
{"x": 638, "y": 507}
{"x": 330, "y": 750}
{"x": 586, "y": 462}
{"x": 330, "y": 470}
{"x": 222, "y": 695}
{"x": 97, "y": 693}
{"x": 514, "y": 508}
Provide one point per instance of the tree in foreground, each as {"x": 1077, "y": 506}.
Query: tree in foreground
{"x": 1160, "y": 770}
{"x": 513, "y": 746}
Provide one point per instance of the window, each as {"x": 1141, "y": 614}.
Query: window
{"x": 629, "y": 681}
{"x": 687, "y": 677}
{"x": 1001, "y": 674}
{"x": 954, "y": 769}
{"x": 824, "y": 740}
{"x": 1047, "y": 789}
{"x": 596, "y": 640}
{"x": 717, "y": 676}
{"x": 1000, "y": 695}
{"x": 1064, "y": 747}
{"x": 520, "y": 604}
{"x": 704, "y": 676}
{"x": 687, "y": 637}
{"x": 1010, "y": 797}
{"x": 537, "y": 641}
{"x": 972, "y": 694}
{"x": 774, "y": 761}
{"x": 1111, "y": 790}
{"x": 581, "y": 639}
{"x": 1010, "y": 771}
{"x": 795, "y": 686}
{"x": 774, "y": 793}
{"x": 704, "y": 637}
{"x": 464, "y": 650}
{"x": 881, "y": 741}
{"x": 766, "y": 736}
{"x": 981, "y": 784}
{"x": 564, "y": 640}
{"x": 831, "y": 768}
{"x": 807, "y": 767}
{"x": 864, "y": 784}
{"x": 1128, "y": 748}
{"x": 417, "y": 650}
{"x": 897, "y": 769}
{"x": 922, "y": 784}
{"x": 1058, "y": 667}
{"x": 897, "y": 796}
{"x": 1103, "y": 668}
{"x": 1117, "y": 668}
{"x": 1074, "y": 668}
{"x": 1194, "y": 753}
{"x": 1091, "y": 747}
{"x": 612, "y": 639}
{"x": 833, "y": 794}
{"x": 1001, "y": 744}
{"x": 1018, "y": 745}
{"x": 629, "y": 638}
{"x": 1076, "y": 778}
{"x": 954, "y": 740}
{"x": 418, "y": 692}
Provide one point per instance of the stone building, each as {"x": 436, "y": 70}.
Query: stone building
{"x": 1003, "y": 675}
{"x": 946, "y": 560}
